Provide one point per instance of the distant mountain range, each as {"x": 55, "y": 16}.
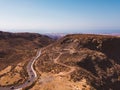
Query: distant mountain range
{"x": 55, "y": 36}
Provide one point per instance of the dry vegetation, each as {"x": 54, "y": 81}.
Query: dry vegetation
{"x": 16, "y": 48}
{"x": 13, "y": 75}
{"x": 75, "y": 62}
{"x": 62, "y": 83}
{"x": 95, "y": 57}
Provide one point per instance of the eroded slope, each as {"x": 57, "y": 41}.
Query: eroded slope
{"x": 94, "y": 58}
{"x": 16, "y": 50}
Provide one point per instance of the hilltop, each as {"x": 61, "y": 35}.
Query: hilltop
{"x": 75, "y": 61}
{"x": 83, "y": 57}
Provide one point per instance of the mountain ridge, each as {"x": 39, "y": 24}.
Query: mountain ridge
{"x": 96, "y": 58}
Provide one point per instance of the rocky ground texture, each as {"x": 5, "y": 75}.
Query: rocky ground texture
{"x": 91, "y": 58}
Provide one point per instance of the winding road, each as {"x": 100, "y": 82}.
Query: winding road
{"x": 72, "y": 69}
{"x": 31, "y": 72}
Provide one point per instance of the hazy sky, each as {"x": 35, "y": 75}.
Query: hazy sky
{"x": 60, "y": 16}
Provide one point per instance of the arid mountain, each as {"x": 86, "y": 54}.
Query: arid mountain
{"x": 74, "y": 62}
{"x": 15, "y": 46}
{"x": 16, "y": 50}
{"x": 93, "y": 58}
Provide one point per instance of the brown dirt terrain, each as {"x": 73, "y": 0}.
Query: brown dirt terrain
{"x": 18, "y": 48}
{"x": 94, "y": 58}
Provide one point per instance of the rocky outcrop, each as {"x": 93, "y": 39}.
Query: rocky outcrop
{"x": 96, "y": 57}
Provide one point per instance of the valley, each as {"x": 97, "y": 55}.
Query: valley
{"x": 73, "y": 62}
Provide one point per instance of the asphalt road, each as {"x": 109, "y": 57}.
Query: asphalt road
{"x": 31, "y": 72}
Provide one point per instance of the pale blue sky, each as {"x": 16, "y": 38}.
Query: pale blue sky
{"x": 60, "y": 16}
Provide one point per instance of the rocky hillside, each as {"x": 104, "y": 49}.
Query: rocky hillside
{"x": 95, "y": 58}
{"x": 18, "y": 47}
